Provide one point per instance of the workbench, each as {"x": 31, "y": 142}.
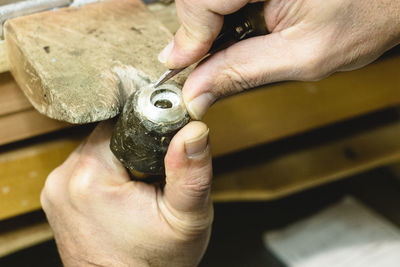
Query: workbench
{"x": 268, "y": 143}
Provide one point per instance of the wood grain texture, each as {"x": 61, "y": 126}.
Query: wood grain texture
{"x": 65, "y": 60}
{"x": 283, "y": 109}
{"x": 292, "y": 172}
{"x": 25, "y": 124}
{"x": 23, "y": 173}
{"x": 4, "y": 65}
{"x": 12, "y": 99}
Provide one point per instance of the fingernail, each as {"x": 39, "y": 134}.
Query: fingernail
{"x": 163, "y": 56}
{"x": 198, "y": 145}
{"x": 198, "y": 107}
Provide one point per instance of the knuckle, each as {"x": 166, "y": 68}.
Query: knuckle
{"x": 233, "y": 80}
{"x": 44, "y": 201}
{"x": 313, "y": 68}
{"x": 195, "y": 35}
{"x": 82, "y": 182}
{"x": 51, "y": 191}
{"x": 314, "y": 61}
{"x": 199, "y": 184}
{"x": 195, "y": 19}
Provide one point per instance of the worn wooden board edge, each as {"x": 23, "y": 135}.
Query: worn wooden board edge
{"x": 12, "y": 99}
{"x": 4, "y": 64}
{"x": 73, "y": 81}
{"x": 167, "y": 13}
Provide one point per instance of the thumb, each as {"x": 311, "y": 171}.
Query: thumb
{"x": 244, "y": 65}
{"x": 188, "y": 169}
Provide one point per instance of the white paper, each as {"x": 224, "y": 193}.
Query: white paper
{"x": 345, "y": 234}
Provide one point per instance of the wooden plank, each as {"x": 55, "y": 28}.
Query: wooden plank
{"x": 20, "y": 238}
{"x": 292, "y": 172}
{"x": 23, "y": 171}
{"x": 12, "y": 99}
{"x": 280, "y": 110}
{"x": 82, "y": 79}
{"x": 4, "y": 65}
{"x": 166, "y": 13}
{"x": 26, "y": 124}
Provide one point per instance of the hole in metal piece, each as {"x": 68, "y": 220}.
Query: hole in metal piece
{"x": 163, "y": 103}
{"x": 164, "y": 99}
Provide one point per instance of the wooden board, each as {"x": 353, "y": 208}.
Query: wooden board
{"x": 71, "y": 63}
{"x": 20, "y": 238}
{"x": 4, "y": 65}
{"x": 299, "y": 170}
{"x": 18, "y": 119}
{"x": 283, "y": 109}
{"x": 12, "y": 99}
{"x": 23, "y": 171}
{"x": 26, "y": 124}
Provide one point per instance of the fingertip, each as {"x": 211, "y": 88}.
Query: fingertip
{"x": 166, "y": 52}
{"x": 198, "y": 107}
{"x": 187, "y": 142}
{"x": 187, "y": 149}
{"x": 184, "y": 50}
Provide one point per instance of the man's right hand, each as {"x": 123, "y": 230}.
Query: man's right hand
{"x": 309, "y": 40}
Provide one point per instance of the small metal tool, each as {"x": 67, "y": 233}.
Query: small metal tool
{"x": 245, "y": 23}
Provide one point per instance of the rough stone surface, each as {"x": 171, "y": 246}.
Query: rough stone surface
{"x": 74, "y": 64}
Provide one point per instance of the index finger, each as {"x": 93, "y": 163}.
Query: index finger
{"x": 201, "y": 22}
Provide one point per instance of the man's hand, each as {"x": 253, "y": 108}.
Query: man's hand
{"x": 102, "y": 218}
{"x": 309, "y": 40}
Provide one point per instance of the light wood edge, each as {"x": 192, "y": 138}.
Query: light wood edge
{"x": 18, "y": 239}
{"x": 20, "y": 190}
{"x": 4, "y": 65}
{"x": 252, "y": 195}
{"x": 27, "y": 123}
{"x": 384, "y": 149}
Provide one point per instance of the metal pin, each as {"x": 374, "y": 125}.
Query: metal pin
{"x": 167, "y": 75}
